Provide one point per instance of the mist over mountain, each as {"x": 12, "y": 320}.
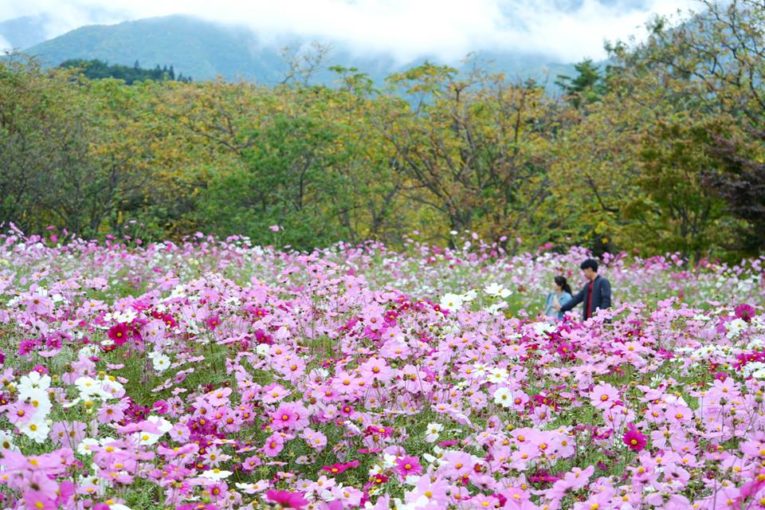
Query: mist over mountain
{"x": 205, "y": 50}
{"x": 24, "y": 32}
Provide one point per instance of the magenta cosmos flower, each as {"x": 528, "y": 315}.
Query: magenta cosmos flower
{"x": 634, "y": 439}
{"x": 119, "y": 333}
{"x": 286, "y": 499}
{"x": 745, "y": 312}
{"x": 408, "y": 465}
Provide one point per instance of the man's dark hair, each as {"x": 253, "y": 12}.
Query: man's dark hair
{"x": 591, "y": 263}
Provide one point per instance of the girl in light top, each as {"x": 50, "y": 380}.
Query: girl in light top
{"x": 557, "y": 298}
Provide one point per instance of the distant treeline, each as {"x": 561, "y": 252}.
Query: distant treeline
{"x": 98, "y": 69}
{"x": 662, "y": 151}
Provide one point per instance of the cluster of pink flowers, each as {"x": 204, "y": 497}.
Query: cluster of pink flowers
{"x": 217, "y": 375}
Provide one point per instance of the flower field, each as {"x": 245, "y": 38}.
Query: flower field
{"x": 218, "y": 375}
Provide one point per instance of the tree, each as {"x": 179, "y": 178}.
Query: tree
{"x": 473, "y": 151}
{"x": 586, "y": 87}
{"x": 52, "y": 134}
{"x": 714, "y": 63}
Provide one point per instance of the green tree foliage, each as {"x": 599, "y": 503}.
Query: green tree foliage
{"x": 586, "y": 87}
{"x": 671, "y": 143}
{"x": 50, "y": 137}
{"x": 663, "y": 150}
{"x": 715, "y": 65}
{"x": 474, "y": 150}
{"x": 97, "y": 69}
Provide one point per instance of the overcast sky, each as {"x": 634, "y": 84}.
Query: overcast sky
{"x": 568, "y": 30}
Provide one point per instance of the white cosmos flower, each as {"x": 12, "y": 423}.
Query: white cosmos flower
{"x": 125, "y": 315}
{"x": 163, "y": 425}
{"x": 90, "y": 387}
{"x": 503, "y": 397}
{"x": 479, "y": 370}
{"x": 434, "y": 428}
{"x": 247, "y": 488}
{"x": 6, "y": 441}
{"x": 429, "y": 458}
{"x": 389, "y": 460}
{"x": 40, "y": 400}
{"x": 432, "y": 431}
{"x": 36, "y": 430}
{"x": 753, "y": 366}
{"x": 543, "y": 327}
{"x": 88, "y": 351}
{"x": 451, "y": 302}
{"x": 160, "y": 362}
{"x": 412, "y": 480}
{"x": 216, "y": 474}
{"x": 495, "y": 308}
{"x": 735, "y": 327}
{"x": 497, "y": 375}
{"x": 496, "y": 290}
{"x": 33, "y": 381}
{"x": 86, "y": 446}
{"x": 149, "y": 438}
{"x": 112, "y": 388}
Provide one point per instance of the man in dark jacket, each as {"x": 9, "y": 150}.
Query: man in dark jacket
{"x": 596, "y": 295}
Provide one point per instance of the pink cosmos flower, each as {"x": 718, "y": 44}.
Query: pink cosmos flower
{"x": 273, "y": 445}
{"x": 483, "y": 501}
{"x": 251, "y": 463}
{"x": 573, "y": 480}
{"x": 603, "y": 396}
{"x": 68, "y": 434}
{"x": 314, "y": 439}
{"x": 38, "y": 304}
{"x": 376, "y": 369}
{"x": 274, "y": 393}
{"x": 284, "y": 417}
{"x": 112, "y": 412}
{"x": 39, "y": 500}
{"x": 218, "y": 397}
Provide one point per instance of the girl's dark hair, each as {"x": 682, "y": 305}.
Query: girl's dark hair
{"x": 561, "y": 282}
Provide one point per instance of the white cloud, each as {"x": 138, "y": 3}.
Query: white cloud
{"x": 4, "y": 45}
{"x": 405, "y": 28}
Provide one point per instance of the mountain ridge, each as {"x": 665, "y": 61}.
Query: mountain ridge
{"x": 205, "y": 50}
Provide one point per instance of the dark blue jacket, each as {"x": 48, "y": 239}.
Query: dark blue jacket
{"x": 601, "y": 297}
